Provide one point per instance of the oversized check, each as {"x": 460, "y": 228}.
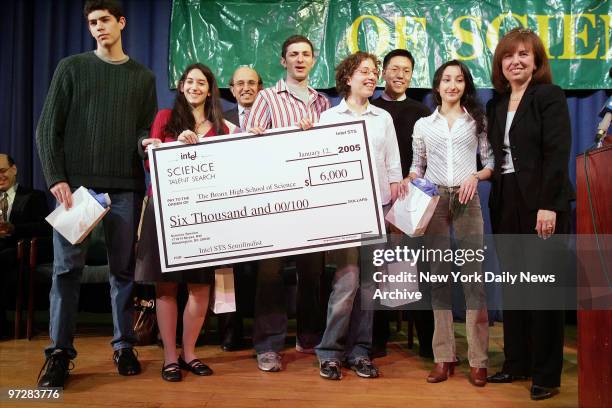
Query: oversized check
{"x": 243, "y": 197}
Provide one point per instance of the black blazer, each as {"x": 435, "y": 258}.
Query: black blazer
{"x": 540, "y": 142}
{"x": 232, "y": 116}
{"x": 28, "y": 214}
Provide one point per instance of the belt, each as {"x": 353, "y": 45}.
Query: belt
{"x": 451, "y": 190}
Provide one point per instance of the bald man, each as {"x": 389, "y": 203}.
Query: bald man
{"x": 244, "y": 85}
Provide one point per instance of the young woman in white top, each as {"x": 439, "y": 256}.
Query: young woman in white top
{"x": 445, "y": 145}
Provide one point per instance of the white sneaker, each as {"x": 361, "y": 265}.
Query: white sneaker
{"x": 269, "y": 361}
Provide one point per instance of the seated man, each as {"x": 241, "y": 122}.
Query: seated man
{"x": 22, "y": 216}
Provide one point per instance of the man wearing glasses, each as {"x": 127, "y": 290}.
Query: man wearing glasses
{"x": 397, "y": 71}
{"x": 245, "y": 85}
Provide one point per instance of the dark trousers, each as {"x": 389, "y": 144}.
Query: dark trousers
{"x": 420, "y": 313}
{"x": 231, "y": 328}
{"x": 423, "y": 322}
{"x": 270, "y": 327}
{"x": 533, "y": 339}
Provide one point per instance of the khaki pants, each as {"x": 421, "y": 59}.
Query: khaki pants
{"x": 468, "y": 232}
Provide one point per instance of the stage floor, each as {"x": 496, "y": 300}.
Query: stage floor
{"x": 237, "y": 382}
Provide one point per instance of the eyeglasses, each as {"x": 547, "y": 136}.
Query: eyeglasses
{"x": 241, "y": 84}
{"x": 397, "y": 70}
{"x": 367, "y": 71}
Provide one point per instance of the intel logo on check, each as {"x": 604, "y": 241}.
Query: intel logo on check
{"x": 189, "y": 155}
{"x": 190, "y": 172}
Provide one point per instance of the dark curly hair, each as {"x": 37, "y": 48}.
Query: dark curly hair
{"x": 182, "y": 118}
{"x": 347, "y": 68}
{"x": 469, "y": 99}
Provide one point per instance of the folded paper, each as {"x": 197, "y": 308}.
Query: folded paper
{"x": 412, "y": 213}
{"x": 77, "y": 222}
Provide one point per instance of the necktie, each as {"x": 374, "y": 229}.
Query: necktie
{"x": 3, "y": 206}
{"x": 243, "y": 117}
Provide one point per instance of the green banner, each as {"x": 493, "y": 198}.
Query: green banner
{"x": 228, "y": 34}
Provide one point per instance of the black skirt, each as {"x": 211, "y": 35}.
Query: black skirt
{"x": 148, "y": 268}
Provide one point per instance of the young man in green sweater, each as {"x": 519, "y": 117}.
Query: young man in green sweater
{"x": 99, "y": 105}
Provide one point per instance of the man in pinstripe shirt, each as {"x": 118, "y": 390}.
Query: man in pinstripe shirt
{"x": 290, "y": 102}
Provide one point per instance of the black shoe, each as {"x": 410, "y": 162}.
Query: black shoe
{"x": 171, "y": 372}
{"x": 539, "y": 393}
{"x": 504, "y": 378}
{"x": 378, "y": 352}
{"x": 232, "y": 345}
{"x": 126, "y": 361}
{"x": 363, "y": 367}
{"x": 330, "y": 369}
{"x": 57, "y": 369}
{"x": 195, "y": 366}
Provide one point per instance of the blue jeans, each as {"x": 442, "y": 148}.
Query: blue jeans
{"x": 348, "y": 334}
{"x": 120, "y": 233}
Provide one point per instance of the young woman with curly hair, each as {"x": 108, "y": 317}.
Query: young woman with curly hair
{"x": 348, "y": 334}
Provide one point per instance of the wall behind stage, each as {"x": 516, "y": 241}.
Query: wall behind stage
{"x": 36, "y": 34}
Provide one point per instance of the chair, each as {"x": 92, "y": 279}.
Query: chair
{"x": 21, "y": 250}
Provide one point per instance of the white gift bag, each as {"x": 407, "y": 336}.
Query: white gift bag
{"x": 225, "y": 298}
{"x": 77, "y": 222}
{"x": 402, "y": 287}
{"x": 412, "y": 213}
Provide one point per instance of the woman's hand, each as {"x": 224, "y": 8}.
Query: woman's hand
{"x": 188, "y": 136}
{"x": 403, "y": 187}
{"x": 394, "y": 191}
{"x": 405, "y": 184}
{"x": 468, "y": 188}
{"x": 545, "y": 223}
{"x": 150, "y": 141}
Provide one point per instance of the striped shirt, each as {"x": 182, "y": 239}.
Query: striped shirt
{"x": 446, "y": 156}
{"x": 277, "y": 107}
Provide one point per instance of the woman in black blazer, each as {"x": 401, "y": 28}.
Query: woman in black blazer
{"x": 529, "y": 132}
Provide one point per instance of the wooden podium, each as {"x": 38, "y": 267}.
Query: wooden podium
{"x": 595, "y": 326}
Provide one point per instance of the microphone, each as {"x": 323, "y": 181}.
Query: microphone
{"x": 606, "y": 114}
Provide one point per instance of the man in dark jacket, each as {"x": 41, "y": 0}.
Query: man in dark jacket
{"x": 398, "y": 66}
{"x": 22, "y": 216}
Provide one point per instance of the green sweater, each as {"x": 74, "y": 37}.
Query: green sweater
{"x": 93, "y": 117}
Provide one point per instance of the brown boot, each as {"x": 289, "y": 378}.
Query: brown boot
{"x": 478, "y": 376}
{"x": 441, "y": 372}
